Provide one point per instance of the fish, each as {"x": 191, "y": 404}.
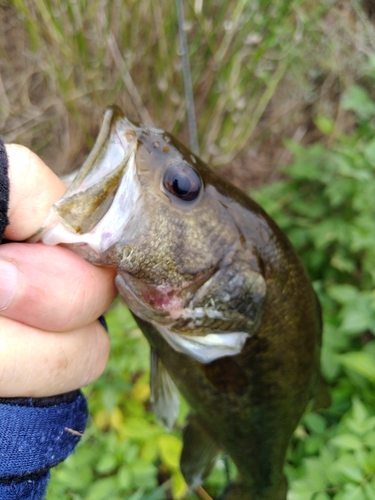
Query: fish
{"x": 230, "y": 314}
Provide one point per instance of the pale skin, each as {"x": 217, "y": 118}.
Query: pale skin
{"x": 51, "y": 341}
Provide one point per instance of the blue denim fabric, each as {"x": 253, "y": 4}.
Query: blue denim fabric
{"x": 35, "y": 435}
{"x": 27, "y": 490}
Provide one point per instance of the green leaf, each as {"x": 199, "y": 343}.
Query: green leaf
{"x": 144, "y": 474}
{"x": 179, "y": 486}
{"x": 347, "y": 442}
{"x": 315, "y": 422}
{"x": 343, "y": 293}
{"x": 361, "y": 363}
{"x": 70, "y": 480}
{"x": 325, "y": 124}
{"x": 138, "y": 495}
{"x": 358, "y": 100}
{"x": 315, "y": 474}
{"x": 369, "y": 152}
{"x": 321, "y": 496}
{"x": 124, "y": 477}
{"x": 158, "y": 494}
{"x": 359, "y": 411}
{"x": 102, "y": 489}
{"x": 369, "y": 439}
{"x": 106, "y": 464}
{"x": 352, "y": 492}
{"x": 345, "y": 471}
{"x": 369, "y": 489}
{"x": 170, "y": 450}
{"x": 140, "y": 429}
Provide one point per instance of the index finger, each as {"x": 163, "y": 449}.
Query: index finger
{"x": 34, "y": 188}
{"x": 55, "y": 289}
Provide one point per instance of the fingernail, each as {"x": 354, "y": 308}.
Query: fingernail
{"x": 8, "y": 283}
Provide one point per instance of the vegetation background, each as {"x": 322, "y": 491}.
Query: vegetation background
{"x": 277, "y": 84}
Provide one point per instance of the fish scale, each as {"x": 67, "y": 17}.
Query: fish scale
{"x": 217, "y": 289}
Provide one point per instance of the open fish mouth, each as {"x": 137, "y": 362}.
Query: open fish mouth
{"x": 95, "y": 209}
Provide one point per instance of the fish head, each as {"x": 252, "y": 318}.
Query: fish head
{"x": 145, "y": 204}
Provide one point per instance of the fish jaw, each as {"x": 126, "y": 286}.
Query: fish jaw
{"x": 164, "y": 306}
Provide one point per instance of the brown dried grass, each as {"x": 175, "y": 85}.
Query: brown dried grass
{"x": 259, "y": 75}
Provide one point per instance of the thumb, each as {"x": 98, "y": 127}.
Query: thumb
{"x": 34, "y": 188}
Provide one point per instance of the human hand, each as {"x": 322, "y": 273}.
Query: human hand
{"x": 50, "y": 298}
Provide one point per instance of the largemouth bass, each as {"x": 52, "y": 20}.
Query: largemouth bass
{"x": 215, "y": 286}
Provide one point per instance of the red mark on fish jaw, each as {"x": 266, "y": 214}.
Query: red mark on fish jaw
{"x": 164, "y": 298}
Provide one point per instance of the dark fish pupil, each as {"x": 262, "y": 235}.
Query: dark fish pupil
{"x": 181, "y": 184}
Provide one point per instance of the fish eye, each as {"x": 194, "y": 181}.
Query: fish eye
{"x": 182, "y": 181}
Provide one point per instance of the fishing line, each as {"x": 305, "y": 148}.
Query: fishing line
{"x": 189, "y": 98}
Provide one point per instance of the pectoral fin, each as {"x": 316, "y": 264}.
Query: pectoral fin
{"x": 205, "y": 348}
{"x": 164, "y": 394}
{"x": 199, "y": 453}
